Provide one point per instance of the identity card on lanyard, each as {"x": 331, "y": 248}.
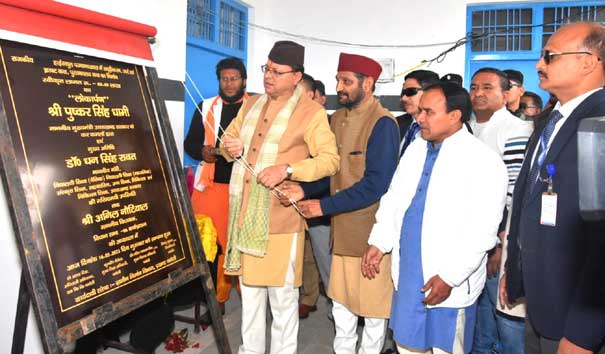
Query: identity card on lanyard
{"x": 548, "y": 215}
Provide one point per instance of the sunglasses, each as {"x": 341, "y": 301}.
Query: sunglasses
{"x": 410, "y": 91}
{"x": 524, "y": 105}
{"x": 548, "y": 55}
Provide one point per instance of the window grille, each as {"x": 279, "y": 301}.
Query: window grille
{"x": 555, "y": 17}
{"x": 232, "y": 25}
{"x": 201, "y": 19}
{"x": 511, "y": 30}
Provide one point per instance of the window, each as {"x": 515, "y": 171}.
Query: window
{"x": 220, "y": 23}
{"x": 511, "y": 35}
{"x": 200, "y": 19}
{"x": 555, "y": 17}
{"x": 525, "y": 26}
{"x": 232, "y": 27}
{"x": 511, "y": 27}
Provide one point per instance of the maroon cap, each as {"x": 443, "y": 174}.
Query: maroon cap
{"x": 359, "y": 64}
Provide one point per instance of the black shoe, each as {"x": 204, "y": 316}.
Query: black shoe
{"x": 390, "y": 351}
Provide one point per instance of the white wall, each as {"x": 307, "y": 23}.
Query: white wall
{"x": 170, "y": 19}
{"x": 392, "y": 22}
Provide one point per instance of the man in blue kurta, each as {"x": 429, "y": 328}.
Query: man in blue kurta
{"x": 438, "y": 227}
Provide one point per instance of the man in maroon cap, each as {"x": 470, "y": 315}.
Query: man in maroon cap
{"x": 368, "y": 142}
{"x": 282, "y": 134}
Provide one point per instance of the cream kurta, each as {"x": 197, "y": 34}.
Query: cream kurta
{"x": 309, "y": 146}
{"x": 362, "y": 296}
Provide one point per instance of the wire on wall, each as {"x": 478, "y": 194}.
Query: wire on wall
{"x": 469, "y": 37}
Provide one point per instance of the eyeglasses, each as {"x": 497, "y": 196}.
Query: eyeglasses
{"x": 548, "y": 55}
{"x": 410, "y": 91}
{"x": 514, "y": 84}
{"x": 266, "y": 69}
{"x": 230, "y": 79}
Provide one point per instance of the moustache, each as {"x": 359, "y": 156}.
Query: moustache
{"x": 542, "y": 73}
{"x": 341, "y": 93}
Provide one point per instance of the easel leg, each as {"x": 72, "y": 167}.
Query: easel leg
{"x": 21, "y": 318}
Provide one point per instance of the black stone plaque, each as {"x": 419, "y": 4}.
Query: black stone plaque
{"x": 104, "y": 217}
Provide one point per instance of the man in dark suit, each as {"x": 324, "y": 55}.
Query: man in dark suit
{"x": 555, "y": 258}
{"x": 412, "y": 89}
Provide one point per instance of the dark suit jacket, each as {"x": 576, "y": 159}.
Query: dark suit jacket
{"x": 561, "y": 269}
{"x": 403, "y": 121}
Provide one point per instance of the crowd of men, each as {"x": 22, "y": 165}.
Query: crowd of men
{"x": 452, "y": 225}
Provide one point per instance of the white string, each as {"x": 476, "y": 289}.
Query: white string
{"x": 242, "y": 159}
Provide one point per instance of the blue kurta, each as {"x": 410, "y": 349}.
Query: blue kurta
{"x": 414, "y": 325}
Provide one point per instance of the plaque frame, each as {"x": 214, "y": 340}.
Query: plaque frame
{"x": 56, "y": 339}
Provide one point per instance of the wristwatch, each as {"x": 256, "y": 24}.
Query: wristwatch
{"x": 289, "y": 171}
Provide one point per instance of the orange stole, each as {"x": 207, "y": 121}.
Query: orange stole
{"x": 207, "y": 175}
{"x": 214, "y": 202}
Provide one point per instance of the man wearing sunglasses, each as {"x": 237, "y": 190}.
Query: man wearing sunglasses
{"x": 531, "y": 105}
{"x": 411, "y": 92}
{"x": 515, "y": 91}
{"x": 507, "y": 135}
{"x": 555, "y": 258}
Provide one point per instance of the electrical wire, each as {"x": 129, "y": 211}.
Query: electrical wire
{"x": 471, "y": 37}
{"x": 348, "y": 44}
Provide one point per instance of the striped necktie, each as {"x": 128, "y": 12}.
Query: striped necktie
{"x": 532, "y": 177}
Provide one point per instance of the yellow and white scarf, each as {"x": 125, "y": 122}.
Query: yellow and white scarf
{"x": 252, "y": 236}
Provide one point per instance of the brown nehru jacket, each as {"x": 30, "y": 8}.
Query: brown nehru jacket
{"x": 350, "y": 231}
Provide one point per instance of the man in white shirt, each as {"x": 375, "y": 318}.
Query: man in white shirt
{"x": 438, "y": 254}
{"x": 507, "y": 135}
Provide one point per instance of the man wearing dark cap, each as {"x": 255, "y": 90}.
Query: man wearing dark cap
{"x": 368, "y": 139}
{"x": 513, "y": 101}
{"x": 282, "y": 134}
{"x": 455, "y": 78}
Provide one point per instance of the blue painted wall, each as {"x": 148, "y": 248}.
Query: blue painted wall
{"x": 201, "y": 58}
